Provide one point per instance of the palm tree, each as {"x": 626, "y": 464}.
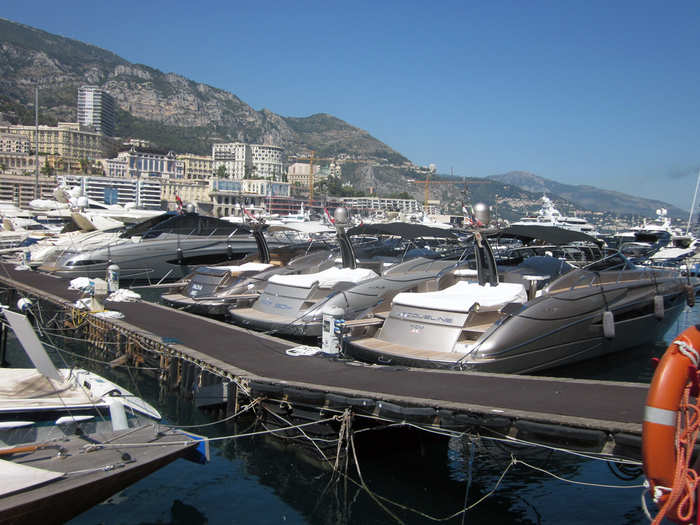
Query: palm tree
{"x": 47, "y": 169}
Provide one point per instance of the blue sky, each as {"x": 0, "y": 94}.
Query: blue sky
{"x": 582, "y": 92}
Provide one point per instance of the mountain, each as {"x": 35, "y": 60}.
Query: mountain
{"x": 170, "y": 110}
{"x": 588, "y": 197}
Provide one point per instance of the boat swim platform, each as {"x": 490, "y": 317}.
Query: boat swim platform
{"x": 587, "y": 415}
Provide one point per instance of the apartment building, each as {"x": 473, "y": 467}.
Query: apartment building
{"x": 228, "y": 196}
{"x": 366, "y": 204}
{"x": 299, "y": 174}
{"x": 96, "y": 110}
{"x": 141, "y": 192}
{"x": 14, "y": 143}
{"x": 67, "y": 140}
{"x": 20, "y": 163}
{"x": 196, "y": 166}
{"x": 189, "y": 190}
{"x": 137, "y": 164}
{"x": 20, "y": 189}
{"x": 240, "y": 160}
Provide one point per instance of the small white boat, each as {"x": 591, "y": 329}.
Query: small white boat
{"x": 71, "y": 438}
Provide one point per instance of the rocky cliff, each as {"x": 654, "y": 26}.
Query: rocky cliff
{"x": 179, "y": 113}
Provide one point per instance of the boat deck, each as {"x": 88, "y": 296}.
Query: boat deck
{"x": 609, "y": 407}
{"x": 72, "y": 473}
{"x": 388, "y": 348}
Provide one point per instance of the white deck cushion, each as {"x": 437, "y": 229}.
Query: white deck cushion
{"x": 247, "y": 267}
{"x": 254, "y": 267}
{"x": 460, "y": 297}
{"x": 325, "y": 279}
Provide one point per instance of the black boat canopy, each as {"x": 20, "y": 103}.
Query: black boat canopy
{"x": 185, "y": 224}
{"x": 548, "y": 234}
{"x": 406, "y": 230}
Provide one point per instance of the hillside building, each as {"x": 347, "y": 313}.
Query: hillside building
{"x": 141, "y": 192}
{"x": 13, "y": 143}
{"x": 137, "y": 164}
{"x": 15, "y": 157}
{"x": 228, "y": 196}
{"x": 68, "y": 140}
{"x": 367, "y": 205}
{"x": 20, "y": 163}
{"x": 96, "y": 110}
{"x": 196, "y": 166}
{"x": 246, "y": 161}
{"x": 299, "y": 174}
{"x": 189, "y": 190}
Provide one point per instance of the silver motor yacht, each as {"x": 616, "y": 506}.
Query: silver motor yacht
{"x": 539, "y": 314}
{"x": 168, "y": 246}
{"x": 295, "y": 304}
{"x": 212, "y": 290}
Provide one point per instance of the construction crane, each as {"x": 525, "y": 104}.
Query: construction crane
{"x": 312, "y": 158}
{"x": 427, "y": 182}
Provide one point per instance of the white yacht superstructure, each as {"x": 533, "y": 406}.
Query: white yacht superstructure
{"x": 548, "y": 215}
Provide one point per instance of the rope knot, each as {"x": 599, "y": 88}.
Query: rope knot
{"x": 688, "y": 351}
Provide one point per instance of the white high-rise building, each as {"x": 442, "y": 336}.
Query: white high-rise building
{"x": 247, "y": 161}
{"x": 96, "y": 109}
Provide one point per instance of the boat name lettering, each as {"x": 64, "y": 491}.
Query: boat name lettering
{"x": 426, "y": 317}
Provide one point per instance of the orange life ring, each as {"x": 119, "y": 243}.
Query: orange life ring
{"x": 673, "y": 373}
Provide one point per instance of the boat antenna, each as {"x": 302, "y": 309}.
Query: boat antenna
{"x": 692, "y": 206}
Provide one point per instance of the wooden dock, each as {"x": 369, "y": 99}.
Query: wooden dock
{"x": 595, "y": 416}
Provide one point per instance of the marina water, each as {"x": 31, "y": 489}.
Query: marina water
{"x": 415, "y": 476}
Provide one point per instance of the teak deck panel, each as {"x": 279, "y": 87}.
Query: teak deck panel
{"x": 604, "y": 405}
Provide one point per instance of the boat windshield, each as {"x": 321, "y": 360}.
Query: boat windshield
{"x": 615, "y": 261}
{"x": 613, "y": 270}
{"x": 186, "y": 224}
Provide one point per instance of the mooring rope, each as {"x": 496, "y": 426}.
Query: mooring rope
{"x": 210, "y": 439}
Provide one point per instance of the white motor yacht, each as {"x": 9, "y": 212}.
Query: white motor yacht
{"x": 548, "y": 215}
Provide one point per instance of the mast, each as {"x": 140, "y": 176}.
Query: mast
{"x": 36, "y": 141}
{"x": 692, "y": 206}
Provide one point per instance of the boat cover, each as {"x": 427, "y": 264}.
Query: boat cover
{"x": 460, "y": 297}
{"x": 26, "y": 388}
{"x": 406, "y": 230}
{"x": 325, "y": 279}
{"x": 549, "y": 234}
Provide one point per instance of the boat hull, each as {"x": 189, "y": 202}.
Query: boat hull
{"x": 529, "y": 341}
